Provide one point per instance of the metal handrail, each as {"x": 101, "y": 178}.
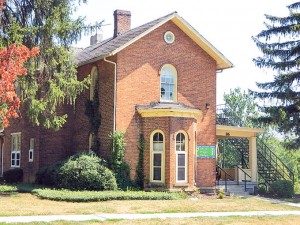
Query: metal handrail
{"x": 279, "y": 164}
{"x": 245, "y": 174}
{"x": 225, "y": 177}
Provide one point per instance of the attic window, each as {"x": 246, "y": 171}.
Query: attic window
{"x": 169, "y": 37}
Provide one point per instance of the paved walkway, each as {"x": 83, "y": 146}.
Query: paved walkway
{"x": 102, "y": 217}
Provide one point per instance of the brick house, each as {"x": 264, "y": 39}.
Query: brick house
{"x": 157, "y": 80}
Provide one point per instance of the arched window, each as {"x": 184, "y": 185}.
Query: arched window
{"x": 181, "y": 157}
{"x": 168, "y": 83}
{"x": 157, "y": 156}
{"x": 94, "y": 80}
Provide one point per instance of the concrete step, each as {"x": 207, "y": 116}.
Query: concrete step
{"x": 238, "y": 190}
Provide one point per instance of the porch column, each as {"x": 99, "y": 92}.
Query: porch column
{"x": 253, "y": 158}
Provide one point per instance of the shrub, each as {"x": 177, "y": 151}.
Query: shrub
{"x": 117, "y": 163}
{"x": 94, "y": 196}
{"x": 13, "y": 176}
{"x": 282, "y": 188}
{"x": 221, "y": 194}
{"x": 86, "y": 172}
{"x": 49, "y": 175}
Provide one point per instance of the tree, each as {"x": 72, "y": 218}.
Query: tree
{"x": 52, "y": 78}
{"x": 12, "y": 61}
{"x": 280, "y": 46}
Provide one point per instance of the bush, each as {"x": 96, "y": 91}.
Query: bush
{"x": 221, "y": 194}
{"x": 49, "y": 175}
{"x": 282, "y": 188}
{"x": 80, "y": 172}
{"x": 13, "y": 176}
{"x": 94, "y": 196}
{"x": 86, "y": 172}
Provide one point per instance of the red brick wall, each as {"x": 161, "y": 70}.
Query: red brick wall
{"x": 50, "y": 146}
{"x": 138, "y": 84}
{"x": 170, "y": 127}
{"x": 106, "y": 96}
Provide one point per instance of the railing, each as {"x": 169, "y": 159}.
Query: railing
{"x": 218, "y": 171}
{"x": 276, "y": 163}
{"x": 270, "y": 167}
{"x": 245, "y": 176}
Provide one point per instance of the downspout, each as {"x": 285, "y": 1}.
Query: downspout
{"x": 115, "y": 89}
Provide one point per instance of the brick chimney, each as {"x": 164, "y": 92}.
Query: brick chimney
{"x": 122, "y": 21}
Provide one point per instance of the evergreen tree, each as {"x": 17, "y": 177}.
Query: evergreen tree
{"x": 280, "y": 46}
{"x": 51, "y": 78}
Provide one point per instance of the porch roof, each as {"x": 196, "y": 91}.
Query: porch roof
{"x": 223, "y": 131}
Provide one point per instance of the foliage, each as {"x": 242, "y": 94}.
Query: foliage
{"x": 94, "y": 196}
{"x": 140, "y": 167}
{"x": 13, "y": 176}
{"x": 117, "y": 163}
{"x": 79, "y": 172}
{"x": 221, "y": 194}
{"x": 289, "y": 157}
{"x": 86, "y": 172}
{"x": 93, "y": 113}
{"x": 280, "y": 47}
{"x": 242, "y": 105}
{"x": 49, "y": 175}
{"x": 282, "y": 188}
{"x": 51, "y": 76}
{"x": 12, "y": 59}
{"x": 8, "y": 188}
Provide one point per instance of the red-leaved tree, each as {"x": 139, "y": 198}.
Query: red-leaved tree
{"x": 12, "y": 59}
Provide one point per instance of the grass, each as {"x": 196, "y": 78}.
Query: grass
{"x": 25, "y": 204}
{"x": 232, "y": 220}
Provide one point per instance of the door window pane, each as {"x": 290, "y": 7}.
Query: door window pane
{"x": 181, "y": 160}
{"x": 157, "y": 173}
{"x": 157, "y": 160}
{"x": 181, "y": 174}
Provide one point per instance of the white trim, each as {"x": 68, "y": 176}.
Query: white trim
{"x": 31, "y": 149}
{"x": 175, "y": 83}
{"x": 162, "y": 157}
{"x": 186, "y": 154}
{"x": 221, "y": 61}
{"x": 16, "y": 152}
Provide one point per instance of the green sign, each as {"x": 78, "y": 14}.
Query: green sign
{"x": 206, "y": 151}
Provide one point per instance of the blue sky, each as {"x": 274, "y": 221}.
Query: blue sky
{"x": 228, "y": 25}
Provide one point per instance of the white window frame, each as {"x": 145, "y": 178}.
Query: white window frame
{"x": 94, "y": 79}
{"x": 15, "y": 161}
{"x": 180, "y": 151}
{"x": 168, "y": 66}
{"x": 91, "y": 140}
{"x": 152, "y": 153}
{"x": 31, "y": 150}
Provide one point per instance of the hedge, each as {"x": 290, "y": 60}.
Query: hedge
{"x": 95, "y": 196}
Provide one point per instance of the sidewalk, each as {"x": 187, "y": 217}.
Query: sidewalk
{"x": 102, "y": 217}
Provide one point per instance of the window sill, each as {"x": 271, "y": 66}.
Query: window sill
{"x": 181, "y": 184}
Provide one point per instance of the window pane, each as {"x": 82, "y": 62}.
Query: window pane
{"x": 178, "y": 146}
{"x": 18, "y": 162}
{"x": 13, "y": 156}
{"x": 12, "y": 162}
{"x": 18, "y": 155}
{"x": 157, "y": 173}
{"x": 181, "y": 174}
{"x": 181, "y": 159}
{"x": 158, "y": 146}
{"x": 157, "y": 160}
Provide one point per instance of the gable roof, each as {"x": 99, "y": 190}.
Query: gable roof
{"x": 112, "y": 46}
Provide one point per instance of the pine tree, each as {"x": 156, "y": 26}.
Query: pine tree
{"x": 51, "y": 79}
{"x": 280, "y": 46}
